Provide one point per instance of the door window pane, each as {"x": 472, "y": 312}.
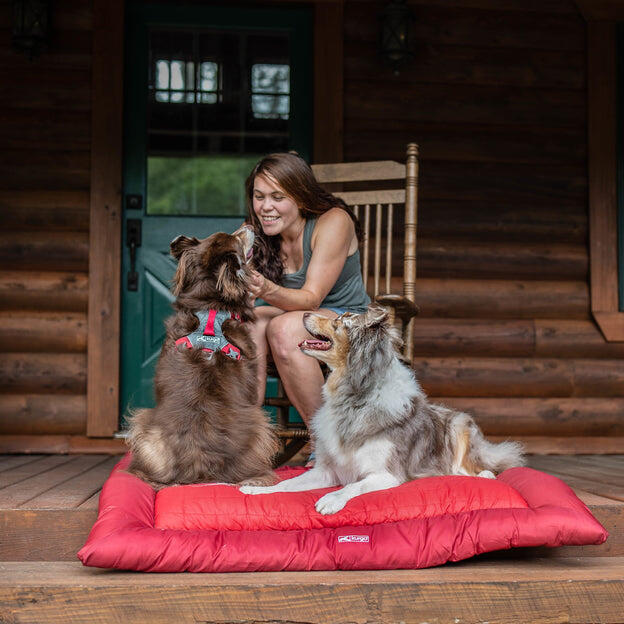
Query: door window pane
{"x": 217, "y": 102}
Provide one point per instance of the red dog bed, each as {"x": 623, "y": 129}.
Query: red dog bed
{"x": 215, "y": 528}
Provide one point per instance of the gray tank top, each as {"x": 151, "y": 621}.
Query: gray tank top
{"x": 347, "y": 293}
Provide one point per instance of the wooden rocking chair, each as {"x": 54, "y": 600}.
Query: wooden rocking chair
{"x": 371, "y": 187}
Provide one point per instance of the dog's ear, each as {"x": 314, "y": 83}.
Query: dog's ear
{"x": 228, "y": 285}
{"x": 180, "y": 244}
{"x": 375, "y": 315}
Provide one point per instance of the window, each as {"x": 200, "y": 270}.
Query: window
{"x": 178, "y": 81}
{"x": 270, "y": 91}
{"x": 217, "y": 101}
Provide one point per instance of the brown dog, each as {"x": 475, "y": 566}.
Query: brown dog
{"x": 206, "y": 426}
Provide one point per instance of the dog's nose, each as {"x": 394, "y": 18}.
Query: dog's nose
{"x": 306, "y": 315}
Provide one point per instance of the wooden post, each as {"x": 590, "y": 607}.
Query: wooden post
{"x": 105, "y": 219}
{"x": 328, "y": 81}
{"x": 409, "y": 262}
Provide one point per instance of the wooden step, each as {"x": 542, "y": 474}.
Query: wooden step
{"x": 536, "y": 590}
{"x": 49, "y": 503}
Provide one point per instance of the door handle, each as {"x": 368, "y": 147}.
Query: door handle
{"x": 133, "y": 240}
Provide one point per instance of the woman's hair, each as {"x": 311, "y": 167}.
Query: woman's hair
{"x": 295, "y": 176}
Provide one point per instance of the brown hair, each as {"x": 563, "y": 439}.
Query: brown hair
{"x": 295, "y": 176}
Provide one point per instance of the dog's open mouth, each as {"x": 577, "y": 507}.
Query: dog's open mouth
{"x": 318, "y": 343}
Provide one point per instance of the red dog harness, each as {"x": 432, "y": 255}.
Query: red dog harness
{"x": 209, "y": 336}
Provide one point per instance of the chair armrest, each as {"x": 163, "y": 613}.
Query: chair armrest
{"x": 403, "y": 307}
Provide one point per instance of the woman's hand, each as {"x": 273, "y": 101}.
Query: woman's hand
{"x": 257, "y": 284}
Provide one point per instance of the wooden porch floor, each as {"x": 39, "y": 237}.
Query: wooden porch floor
{"x": 48, "y": 504}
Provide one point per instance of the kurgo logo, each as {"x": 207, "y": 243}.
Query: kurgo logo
{"x": 353, "y": 538}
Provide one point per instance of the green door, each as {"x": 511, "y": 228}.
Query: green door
{"x": 209, "y": 90}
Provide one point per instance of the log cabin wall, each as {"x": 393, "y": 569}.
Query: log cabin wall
{"x": 44, "y": 229}
{"x": 496, "y": 99}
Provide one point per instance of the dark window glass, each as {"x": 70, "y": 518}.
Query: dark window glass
{"x": 217, "y": 102}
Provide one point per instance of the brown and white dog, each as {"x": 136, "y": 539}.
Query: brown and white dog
{"x": 206, "y": 426}
{"x": 375, "y": 428}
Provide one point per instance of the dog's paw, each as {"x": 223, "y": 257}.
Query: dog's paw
{"x": 254, "y": 489}
{"x": 331, "y": 503}
{"x": 487, "y": 474}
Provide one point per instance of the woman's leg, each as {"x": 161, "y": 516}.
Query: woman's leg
{"x": 300, "y": 373}
{"x": 264, "y": 314}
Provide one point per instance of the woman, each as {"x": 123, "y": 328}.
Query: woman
{"x": 307, "y": 259}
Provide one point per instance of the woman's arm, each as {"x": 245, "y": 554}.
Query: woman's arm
{"x": 332, "y": 238}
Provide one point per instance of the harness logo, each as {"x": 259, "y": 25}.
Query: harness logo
{"x": 353, "y": 538}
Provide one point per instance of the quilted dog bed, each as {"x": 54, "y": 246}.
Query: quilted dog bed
{"x": 423, "y": 523}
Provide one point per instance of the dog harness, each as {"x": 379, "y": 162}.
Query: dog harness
{"x": 209, "y": 336}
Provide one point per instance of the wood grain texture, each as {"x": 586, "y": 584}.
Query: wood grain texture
{"x": 501, "y": 299}
{"x": 71, "y": 444}
{"x": 43, "y": 535}
{"x": 45, "y": 373}
{"x": 502, "y": 221}
{"x": 44, "y": 210}
{"x": 73, "y": 492}
{"x": 20, "y": 493}
{"x": 105, "y": 220}
{"x": 601, "y": 94}
{"x": 524, "y": 590}
{"x": 611, "y": 325}
{"x": 520, "y": 377}
{"x": 464, "y": 25}
{"x": 60, "y": 332}
{"x": 366, "y": 139}
{"x": 43, "y": 250}
{"x": 555, "y": 417}
{"x": 567, "y": 445}
{"x": 512, "y": 338}
{"x": 46, "y": 130}
{"x": 8, "y": 462}
{"x": 474, "y": 65}
{"x": 328, "y": 82}
{"x": 50, "y": 290}
{"x": 48, "y": 527}
{"x": 40, "y": 414}
{"x": 22, "y": 472}
{"x": 601, "y": 10}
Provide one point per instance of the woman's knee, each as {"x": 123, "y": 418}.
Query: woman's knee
{"x": 283, "y": 334}
{"x": 258, "y": 329}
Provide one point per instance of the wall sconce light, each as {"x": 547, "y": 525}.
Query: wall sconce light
{"x": 395, "y": 33}
{"x": 31, "y": 26}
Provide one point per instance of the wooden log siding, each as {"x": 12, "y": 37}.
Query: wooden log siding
{"x": 496, "y": 99}
{"x": 44, "y": 223}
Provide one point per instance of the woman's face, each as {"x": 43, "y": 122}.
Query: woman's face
{"x": 276, "y": 211}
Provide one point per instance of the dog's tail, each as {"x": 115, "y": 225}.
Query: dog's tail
{"x": 495, "y": 457}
